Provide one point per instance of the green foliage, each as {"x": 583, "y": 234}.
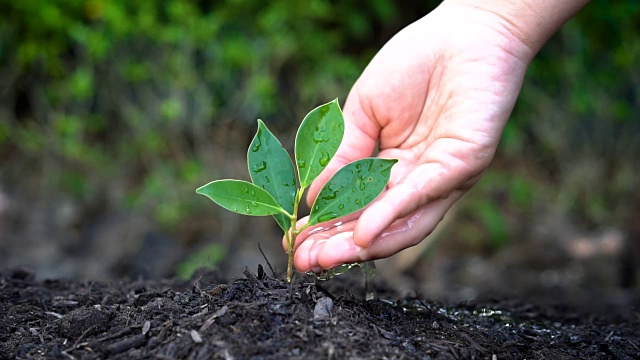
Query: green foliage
{"x": 317, "y": 141}
{"x": 209, "y": 256}
{"x": 577, "y": 121}
{"x": 350, "y": 189}
{"x": 142, "y": 100}
{"x": 136, "y": 98}
{"x": 270, "y": 168}
{"x": 241, "y": 197}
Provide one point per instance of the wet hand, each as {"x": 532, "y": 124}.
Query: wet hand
{"x": 436, "y": 97}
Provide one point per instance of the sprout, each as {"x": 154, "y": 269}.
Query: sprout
{"x": 276, "y": 188}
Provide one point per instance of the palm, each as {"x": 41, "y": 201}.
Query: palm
{"x": 438, "y": 104}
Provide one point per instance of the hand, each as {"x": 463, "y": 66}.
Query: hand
{"x": 436, "y": 97}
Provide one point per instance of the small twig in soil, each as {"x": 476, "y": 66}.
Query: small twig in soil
{"x": 84, "y": 334}
{"x": 120, "y": 333}
{"x": 420, "y": 300}
{"x": 34, "y": 331}
{"x": 606, "y": 339}
{"x": 268, "y": 263}
{"x": 54, "y": 314}
{"x": 253, "y": 279}
{"x": 126, "y": 344}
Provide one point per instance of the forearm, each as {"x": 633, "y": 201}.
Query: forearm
{"x": 532, "y": 22}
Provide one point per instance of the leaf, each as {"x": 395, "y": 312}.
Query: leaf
{"x": 270, "y": 168}
{"x": 242, "y": 197}
{"x": 351, "y": 188}
{"x": 317, "y": 140}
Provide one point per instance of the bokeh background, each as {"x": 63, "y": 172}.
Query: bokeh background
{"x": 113, "y": 112}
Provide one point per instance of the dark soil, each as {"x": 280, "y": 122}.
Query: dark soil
{"x": 258, "y": 317}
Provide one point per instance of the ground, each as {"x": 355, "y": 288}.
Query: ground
{"x": 259, "y": 317}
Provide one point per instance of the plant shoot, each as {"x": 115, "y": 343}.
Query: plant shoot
{"x": 277, "y": 186}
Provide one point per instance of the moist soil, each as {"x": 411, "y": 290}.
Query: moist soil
{"x": 260, "y": 317}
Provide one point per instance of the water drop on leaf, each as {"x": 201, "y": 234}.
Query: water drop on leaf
{"x": 340, "y": 206}
{"x": 256, "y": 144}
{"x": 261, "y": 166}
{"x": 319, "y": 136}
{"x": 328, "y": 216}
{"x": 301, "y": 164}
{"x": 324, "y": 159}
{"x": 330, "y": 196}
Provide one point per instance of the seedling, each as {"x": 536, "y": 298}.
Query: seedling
{"x": 277, "y": 188}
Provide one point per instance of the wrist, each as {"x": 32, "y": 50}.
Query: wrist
{"x": 530, "y": 22}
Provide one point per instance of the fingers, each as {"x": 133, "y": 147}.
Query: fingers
{"x": 285, "y": 239}
{"x": 336, "y": 246}
{"x": 330, "y": 227}
{"x": 426, "y": 183}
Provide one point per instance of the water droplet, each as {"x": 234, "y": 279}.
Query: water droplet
{"x": 256, "y": 144}
{"x": 245, "y": 190}
{"x": 340, "y": 206}
{"x": 319, "y": 137}
{"x": 318, "y": 229}
{"x": 261, "y": 166}
{"x": 330, "y": 196}
{"x": 253, "y": 193}
{"x": 363, "y": 185}
{"x": 324, "y": 159}
{"x": 254, "y": 204}
{"x": 247, "y": 210}
{"x": 328, "y": 216}
{"x": 301, "y": 164}
{"x": 267, "y": 180}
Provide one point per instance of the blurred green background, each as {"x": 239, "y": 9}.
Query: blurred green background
{"x": 113, "y": 112}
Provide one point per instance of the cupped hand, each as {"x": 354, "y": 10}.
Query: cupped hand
{"x": 436, "y": 97}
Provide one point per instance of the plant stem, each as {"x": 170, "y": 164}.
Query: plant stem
{"x": 291, "y": 237}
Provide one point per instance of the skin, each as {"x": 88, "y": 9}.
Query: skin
{"x": 436, "y": 97}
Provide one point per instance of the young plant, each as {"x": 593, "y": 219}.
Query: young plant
{"x": 276, "y": 188}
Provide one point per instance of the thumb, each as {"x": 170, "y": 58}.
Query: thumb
{"x": 360, "y": 138}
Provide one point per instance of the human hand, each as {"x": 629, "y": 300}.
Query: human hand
{"x": 436, "y": 97}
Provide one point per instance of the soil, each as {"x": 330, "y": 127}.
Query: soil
{"x": 259, "y": 317}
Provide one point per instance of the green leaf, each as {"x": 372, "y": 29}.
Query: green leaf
{"x": 317, "y": 140}
{"x": 351, "y": 188}
{"x": 270, "y": 168}
{"x": 242, "y": 197}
